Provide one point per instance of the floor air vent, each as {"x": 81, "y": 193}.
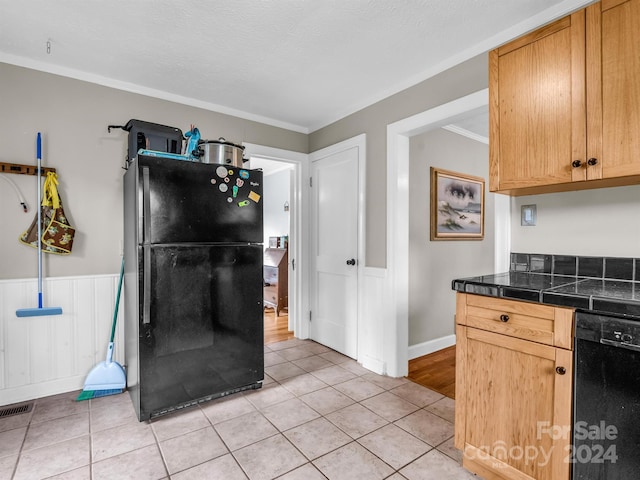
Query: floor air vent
{"x": 16, "y": 410}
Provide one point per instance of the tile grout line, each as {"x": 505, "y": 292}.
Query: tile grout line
{"x": 164, "y": 460}
{"x": 90, "y": 409}
{"x": 24, "y": 439}
{"x": 222, "y": 439}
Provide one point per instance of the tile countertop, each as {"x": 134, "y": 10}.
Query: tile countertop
{"x": 621, "y": 297}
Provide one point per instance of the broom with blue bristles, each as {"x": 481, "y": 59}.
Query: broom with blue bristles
{"x": 108, "y": 377}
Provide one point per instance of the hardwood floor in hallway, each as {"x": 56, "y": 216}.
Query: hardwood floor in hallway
{"x": 276, "y": 327}
{"x": 436, "y": 371}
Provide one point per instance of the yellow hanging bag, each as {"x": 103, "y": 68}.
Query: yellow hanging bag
{"x": 57, "y": 233}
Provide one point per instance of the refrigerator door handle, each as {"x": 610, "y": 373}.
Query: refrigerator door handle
{"x": 146, "y": 285}
{"x": 146, "y": 206}
{"x": 146, "y": 249}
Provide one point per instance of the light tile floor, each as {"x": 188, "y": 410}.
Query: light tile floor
{"x": 319, "y": 415}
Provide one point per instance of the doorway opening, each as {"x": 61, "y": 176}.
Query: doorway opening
{"x": 396, "y": 331}
{"x": 283, "y": 241}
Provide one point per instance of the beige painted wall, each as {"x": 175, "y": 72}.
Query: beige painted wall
{"x": 461, "y": 80}
{"x": 601, "y": 222}
{"x": 275, "y": 192}
{"x": 73, "y": 117}
{"x": 433, "y": 264}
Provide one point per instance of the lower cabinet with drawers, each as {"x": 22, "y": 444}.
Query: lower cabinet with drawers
{"x": 513, "y": 388}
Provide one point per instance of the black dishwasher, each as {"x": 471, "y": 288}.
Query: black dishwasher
{"x": 606, "y": 399}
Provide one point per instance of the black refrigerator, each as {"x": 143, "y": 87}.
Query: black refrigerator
{"x": 193, "y": 283}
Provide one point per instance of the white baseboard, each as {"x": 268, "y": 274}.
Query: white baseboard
{"x": 373, "y": 364}
{"x": 43, "y": 389}
{"x": 431, "y": 346}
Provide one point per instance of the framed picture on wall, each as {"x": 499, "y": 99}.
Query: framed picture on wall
{"x": 457, "y": 206}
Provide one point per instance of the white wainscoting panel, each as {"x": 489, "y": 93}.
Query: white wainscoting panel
{"x": 373, "y": 305}
{"x": 41, "y": 356}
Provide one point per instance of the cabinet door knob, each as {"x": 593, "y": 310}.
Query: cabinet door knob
{"x": 592, "y": 161}
{"x": 576, "y": 163}
{"x": 504, "y": 318}
{"x": 561, "y": 370}
{"x": 351, "y": 262}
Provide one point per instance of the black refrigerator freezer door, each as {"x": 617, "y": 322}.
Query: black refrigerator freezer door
{"x": 197, "y": 202}
{"x": 202, "y": 334}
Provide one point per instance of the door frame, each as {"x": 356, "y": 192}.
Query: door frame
{"x": 299, "y": 237}
{"x": 396, "y": 327}
{"x": 360, "y": 143}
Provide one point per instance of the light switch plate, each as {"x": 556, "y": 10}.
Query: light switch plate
{"x": 528, "y": 215}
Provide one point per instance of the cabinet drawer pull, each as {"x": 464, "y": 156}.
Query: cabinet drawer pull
{"x": 504, "y": 318}
{"x": 576, "y": 163}
{"x": 561, "y": 370}
{"x": 592, "y": 161}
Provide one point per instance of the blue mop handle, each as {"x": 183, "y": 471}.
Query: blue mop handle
{"x": 39, "y": 157}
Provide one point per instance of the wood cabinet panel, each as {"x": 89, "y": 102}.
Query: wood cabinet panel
{"x": 460, "y": 421}
{"x": 513, "y": 306}
{"x": 511, "y": 394}
{"x": 562, "y": 413}
{"x": 537, "y": 102}
{"x": 514, "y": 325}
{"x": 536, "y": 78}
{"x": 620, "y": 41}
{"x": 529, "y": 321}
{"x": 508, "y": 396}
{"x": 536, "y": 35}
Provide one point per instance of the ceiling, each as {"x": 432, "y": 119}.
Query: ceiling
{"x": 297, "y": 64}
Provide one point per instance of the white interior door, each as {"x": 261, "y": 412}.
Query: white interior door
{"x": 334, "y": 250}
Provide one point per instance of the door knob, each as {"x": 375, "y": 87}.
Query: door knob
{"x": 592, "y": 161}
{"x": 351, "y": 262}
{"x": 576, "y": 164}
{"x": 561, "y": 370}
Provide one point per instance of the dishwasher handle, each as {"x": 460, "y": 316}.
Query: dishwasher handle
{"x": 613, "y": 343}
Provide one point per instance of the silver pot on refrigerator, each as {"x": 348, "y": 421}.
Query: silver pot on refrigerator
{"x": 222, "y": 152}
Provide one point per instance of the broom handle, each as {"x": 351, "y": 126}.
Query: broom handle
{"x": 115, "y": 312}
{"x": 39, "y": 156}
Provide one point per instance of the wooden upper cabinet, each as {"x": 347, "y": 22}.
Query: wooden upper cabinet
{"x": 615, "y": 45}
{"x": 564, "y": 103}
{"x": 537, "y": 106}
